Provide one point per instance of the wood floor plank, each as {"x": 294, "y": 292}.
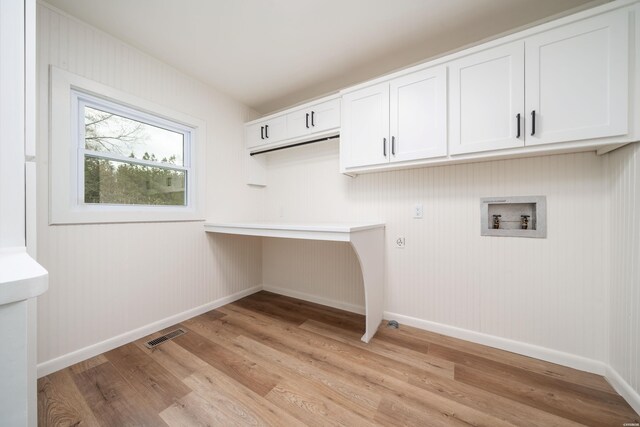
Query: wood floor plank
{"x": 310, "y": 408}
{"x": 193, "y": 410}
{"x": 555, "y": 401}
{"x": 439, "y": 407}
{"x": 246, "y": 372}
{"x": 88, "y": 364}
{"x": 422, "y": 361}
{"x": 159, "y": 388}
{"x": 217, "y": 389}
{"x": 420, "y": 339}
{"x": 546, "y": 386}
{"x": 273, "y": 360}
{"x": 369, "y": 374}
{"x": 254, "y": 304}
{"x": 319, "y": 313}
{"x": 358, "y": 400}
{"x": 60, "y": 402}
{"x": 304, "y": 305}
{"x": 238, "y": 402}
{"x": 180, "y": 367}
{"x": 253, "y": 320}
{"x": 434, "y": 414}
{"x": 210, "y": 328}
{"x": 337, "y": 388}
{"x": 112, "y": 400}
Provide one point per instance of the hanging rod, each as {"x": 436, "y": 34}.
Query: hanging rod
{"x": 295, "y": 145}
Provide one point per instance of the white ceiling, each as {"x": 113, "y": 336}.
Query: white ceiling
{"x": 270, "y": 54}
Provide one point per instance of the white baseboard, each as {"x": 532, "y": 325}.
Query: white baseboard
{"x": 53, "y": 365}
{"x": 538, "y": 352}
{"x": 353, "y": 308}
{"x": 623, "y": 388}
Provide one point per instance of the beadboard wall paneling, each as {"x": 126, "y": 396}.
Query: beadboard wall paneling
{"x": 547, "y": 292}
{"x": 624, "y": 219}
{"x": 341, "y": 282}
{"x": 109, "y": 279}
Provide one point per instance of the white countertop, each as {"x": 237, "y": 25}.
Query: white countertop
{"x": 335, "y": 231}
{"x": 21, "y": 277}
{"x": 334, "y": 227}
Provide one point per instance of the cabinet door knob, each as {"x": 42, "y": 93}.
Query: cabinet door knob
{"x": 261, "y": 132}
{"x": 266, "y": 131}
{"x": 312, "y": 122}
{"x": 518, "y": 126}
{"x": 307, "y": 121}
{"x": 393, "y": 145}
{"x": 384, "y": 146}
{"x": 533, "y": 122}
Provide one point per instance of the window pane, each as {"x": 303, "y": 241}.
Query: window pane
{"x": 111, "y": 133}
{"x": 113, "y": 182}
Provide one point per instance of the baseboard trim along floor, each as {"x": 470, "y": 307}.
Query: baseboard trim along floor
{"x": 53, "y": 365}
{"x": 623, "y": 388}
{"x": 352, "y": 308}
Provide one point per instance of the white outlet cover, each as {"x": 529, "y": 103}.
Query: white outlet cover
{"x": 418, "y": 211}
{"x": 400, "y": 242}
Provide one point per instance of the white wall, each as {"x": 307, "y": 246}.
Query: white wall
{"x": 624, "y": 219}
{"x": 12, "y": 131}
{"x": 547, "y": 292}
{"x": 107, "y": 280}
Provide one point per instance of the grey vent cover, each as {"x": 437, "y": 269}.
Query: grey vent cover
{"x": 166, "y": 337}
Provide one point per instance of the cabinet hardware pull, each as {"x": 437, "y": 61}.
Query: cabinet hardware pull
{"x": 312, "y": 122}
{"x": 266, "y": 131}
{"x": 307, "y": 121}
{"x": 518, "y": 121}
{"x": 261, "y": 132}
{"x": 393, "y": 145}
{"x": 533, "y": 122}
{"x": 384, "y": 146}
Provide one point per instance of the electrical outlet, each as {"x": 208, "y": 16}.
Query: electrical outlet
{"x": 418, "y": 210}
{"x": 400, "y": 243}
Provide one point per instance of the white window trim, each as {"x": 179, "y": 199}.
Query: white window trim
{"x": 66, "y": 202}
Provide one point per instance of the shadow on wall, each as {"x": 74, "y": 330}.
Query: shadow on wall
{"x": 237, "y": 261}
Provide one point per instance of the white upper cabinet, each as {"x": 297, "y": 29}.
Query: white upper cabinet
{"x": 265, "y": 132}
{"x": 365, "y": 127}
{"x": 486, "y": 101}
{"x": 400, "y": 120}
{"x": 300, "y": 124}
{"x": 577, "y": 81}
{"x": 418, "y": 120}
{"x": 566, "y": 85}
{"x": 314, "y": 119}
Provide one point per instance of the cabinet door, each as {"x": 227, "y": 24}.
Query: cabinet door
{"x": 254, "y": 134}
{"x": 486, "y": 97}
{"x": 275, "y": 130}
{"x": 317, "y": 118}
{"x": 418, "y": 119}
{"x": 298, "y": 123}
{"x": 325, "y": 116}
{"x": 365, "y": 126}
{"x": 577, "y": 80}
{"x": 265, "y": 132}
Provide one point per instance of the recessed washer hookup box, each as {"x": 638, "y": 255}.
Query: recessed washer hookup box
{"x": 515, "y": 216}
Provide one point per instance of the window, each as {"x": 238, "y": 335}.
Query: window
{"x": 130, "y": 160}
{"x": 129, "y": 157}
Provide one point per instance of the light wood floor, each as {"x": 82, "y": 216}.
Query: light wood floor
{"x": 272, "y": 360}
